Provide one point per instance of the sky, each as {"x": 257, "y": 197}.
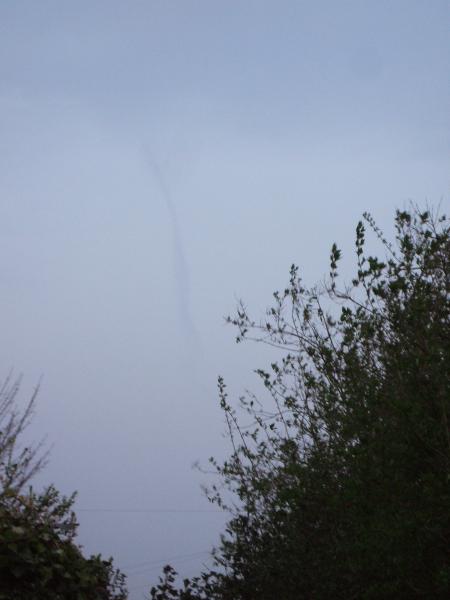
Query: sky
{"x": 160, "y": 160}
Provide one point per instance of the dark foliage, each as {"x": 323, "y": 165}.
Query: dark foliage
{"x": 343, "y": 480}
{"x": 18, "y": 463}
{"x": 39, "y": 558}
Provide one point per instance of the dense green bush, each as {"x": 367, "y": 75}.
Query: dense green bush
{"x": 39, "y": 557}
{"x": 342, "y": 479}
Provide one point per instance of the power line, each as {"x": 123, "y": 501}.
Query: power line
{"x": 148, "y": 510}
{"x": 147, "y": 585}
{"x": 150, "y": 563}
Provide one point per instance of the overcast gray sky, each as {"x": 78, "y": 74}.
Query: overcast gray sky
{"x": 159, "y": 160}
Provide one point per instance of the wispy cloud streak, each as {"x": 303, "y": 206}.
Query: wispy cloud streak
{"x": 181, "y": 269}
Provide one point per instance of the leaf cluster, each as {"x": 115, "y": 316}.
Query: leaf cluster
{"x": 39, "y": 557}
{"x": 342, "y": 476}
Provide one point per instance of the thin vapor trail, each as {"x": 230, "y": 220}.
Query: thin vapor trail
{"x": 181, "y": 269}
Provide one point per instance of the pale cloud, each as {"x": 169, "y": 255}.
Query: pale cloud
{"x": 273, "y": 127}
